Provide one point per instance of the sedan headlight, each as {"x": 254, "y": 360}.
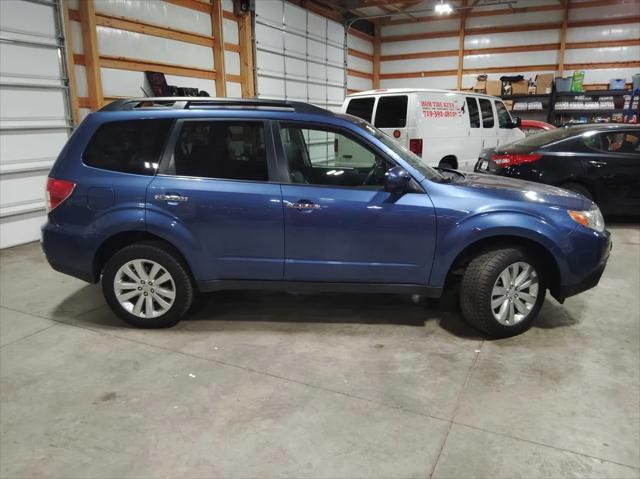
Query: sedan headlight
{"x": 590, "y": 218}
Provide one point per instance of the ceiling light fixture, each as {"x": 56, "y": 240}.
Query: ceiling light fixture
{"x": 443, "y": 8}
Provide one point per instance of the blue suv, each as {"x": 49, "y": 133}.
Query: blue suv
{"x": 162, "y": 198}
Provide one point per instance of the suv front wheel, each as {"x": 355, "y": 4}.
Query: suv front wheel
{"x": 147, "y": 286}
{"x": 502, "y": 292}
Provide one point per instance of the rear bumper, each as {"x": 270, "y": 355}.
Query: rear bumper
{"x": 67, "y": 253}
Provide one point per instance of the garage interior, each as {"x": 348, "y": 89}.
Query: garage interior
{"x": 264, "y": 384}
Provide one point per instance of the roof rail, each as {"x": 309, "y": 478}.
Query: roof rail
{"x": 186, "y": 103}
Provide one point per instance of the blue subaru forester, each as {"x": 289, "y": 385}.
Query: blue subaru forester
{"x": 162, "y": 198}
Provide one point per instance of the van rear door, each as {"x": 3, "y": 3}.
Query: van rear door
{"x": 391, "y": 115}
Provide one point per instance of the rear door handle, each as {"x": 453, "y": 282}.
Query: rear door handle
{"x": 598, "y": 164}
{"x": 303, "y": 205}
{"x": 172, "y": 197}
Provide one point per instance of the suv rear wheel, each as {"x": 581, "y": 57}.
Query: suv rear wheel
{"x": 147, "y": 286}
{"x": 502, "y": 292}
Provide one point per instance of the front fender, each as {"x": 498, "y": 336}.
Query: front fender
{"x": 454, "y": 237}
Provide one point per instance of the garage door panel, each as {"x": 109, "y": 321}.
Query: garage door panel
{"x": 296, "y": 44}
{"x": 25, "y": 146}
{"x": 20, "y": 106}
{"x": 29, "y": 61}
{"x": 22, "y": 187}
{"x": 37, "y": 19}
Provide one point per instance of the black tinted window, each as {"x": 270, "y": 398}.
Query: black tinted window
{"x": 487, "y": 113}
{"x": 391, "y": 112}
{"x": 128, "y": 146}
{"x": 504, "y": 119}
{"x": 614, "y": 142}
{"x": 362, "y": 108}
{"x": 221, "y": 149}
{"x": 474, "y": 114}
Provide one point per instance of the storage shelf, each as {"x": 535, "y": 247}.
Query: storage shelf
{"x": 594, "y": 93}
{"x": 518, "y": 97}
{"x": 598, "y": 110}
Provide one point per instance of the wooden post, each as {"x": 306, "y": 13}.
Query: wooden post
{"x": 463, "y": 22}
{"x": 71, "y": 64}
{"x": 91, "y": 55}
{"x": 218, "y": 48}
{"x": 376, "y": 54}
{"x": 245, "y": 34}
{"x": 563, "y": 36}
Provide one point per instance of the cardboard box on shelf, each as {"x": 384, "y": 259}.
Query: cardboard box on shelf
{"x": 520, "y": 87}
{"x": 544, "y": 83}
{"x": 480, "y": 86}
{"x": 508, "y": 104}
{"x": 494, "y": 87}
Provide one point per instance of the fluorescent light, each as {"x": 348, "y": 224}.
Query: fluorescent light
{"x": 443, "y": 8}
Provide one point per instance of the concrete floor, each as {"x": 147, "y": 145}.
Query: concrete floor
{"x": 327, "y": 386}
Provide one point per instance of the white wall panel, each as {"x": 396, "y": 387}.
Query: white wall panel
{"x": 227, "y": 5}
{"x": 511, "y": 59}
{"x": 620, "y": 10}
{"x": 357, "y": 83}
{"x": 117, "y": 82}
{"x": 627, "y": 31}
{"x": 158, "y": 12}
{"x": 419, "y": 64}
{"x": 76, "y": 37}
{"x": 517, "y": 19}
{"x": 444, "y": 82}
{"x": 234, "y": 90}
{"x": 360, "y": 44}
{"x": 421, "y": 27}
{"x": 360, "y": 64}
{"x": 230, "y": 31}
{"x": 120, "y": 43}
{"x": 419, "y": 46}
{"x": 603, "y": 55}
{"x": 82, "y": 90}
{"x": 232, "y": 62}
{"x": 511, "y": 39}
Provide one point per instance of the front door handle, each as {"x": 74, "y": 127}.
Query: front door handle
{"x": 598, "y": 164}
{"x": 172, "y": 197}
{"x": 303, "y": 205}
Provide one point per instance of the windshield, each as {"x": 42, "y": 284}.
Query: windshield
{"x": 414, "y": 160}
{"x": 547, "y": 137}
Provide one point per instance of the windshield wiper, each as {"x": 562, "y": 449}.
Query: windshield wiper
{"x": 449, "y": 179}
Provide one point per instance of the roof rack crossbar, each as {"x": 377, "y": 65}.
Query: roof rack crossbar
{"x": 184, "y": 103}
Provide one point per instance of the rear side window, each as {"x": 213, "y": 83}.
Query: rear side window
{"x": 614, "y": 142}
{"x": 487, "y": 113}
{"x": 474, "y": 113}
{"x": 392, "y": 112}
{"x": 504, "y": 119}
{"x": 222, "y": 150}
{"x": 362, "y": 108}
{"x": 131, "y": 146}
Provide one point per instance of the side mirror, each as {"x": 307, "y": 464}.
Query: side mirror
{"x": 516, "y": 122}
{"x": 396, "y": 180}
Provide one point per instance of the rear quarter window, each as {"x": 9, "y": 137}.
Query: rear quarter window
{"x": 392, "y": 112}
{"x": 132, "y": 146}
{"x": 361, "y": 107}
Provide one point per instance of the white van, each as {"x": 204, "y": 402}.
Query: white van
{"x": 446, "y": 128}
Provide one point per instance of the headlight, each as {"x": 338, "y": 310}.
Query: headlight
{"x": 591, "y": 218}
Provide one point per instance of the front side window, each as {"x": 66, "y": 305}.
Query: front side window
{"x": 504, "y": 118}
{"x": 323, "y": 157}
{"x": 487, "y": 113}
{"x": 392, "y": 112}
{"x": 222, "y": 149}
{"x": 474, "y": 113}
{"x": 361, "y": 107}
{"x": 614, "y": 142}
{"x": 132, "y": 146}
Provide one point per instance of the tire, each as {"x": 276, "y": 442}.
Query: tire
{"x": 170, "y": 299}
{"x": 446, "y": 164}
{"x": 578, "y": 188}
{"x": 483, "y": 274}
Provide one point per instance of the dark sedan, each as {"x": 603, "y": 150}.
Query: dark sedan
{"x": 601, "y": 162}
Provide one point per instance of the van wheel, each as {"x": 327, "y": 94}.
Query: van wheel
{"x": 448, "y": 163}
{"x": 147, "y": 286}
{"x": 578, "y": 188}
{"x": 502, "y": 292}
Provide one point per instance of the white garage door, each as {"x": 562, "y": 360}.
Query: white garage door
{"x": 34, "y": 112}
{"x": 299, "y": 55}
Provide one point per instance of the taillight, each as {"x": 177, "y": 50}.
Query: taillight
{"x": 415, "y": 146}
{"x": 57, "y": 191}
{"x": 514, "y": 159}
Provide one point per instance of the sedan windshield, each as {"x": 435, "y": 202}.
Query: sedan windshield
{"x": 411, "y": 158}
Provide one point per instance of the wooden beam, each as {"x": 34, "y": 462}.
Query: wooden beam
{"x": 233, "y": 78}
{"x": 229, "y": 15}
{"x": 463, "y": 21}
{"x": 232, "y": 47}
{"x": 218, "y": 48}
{"x": 91, "y": 55}
{"x": 357, "y": 53}
{"x": 360, "y": 74}
{"x": 247, "y": 73}
{"x": 134, "y": 64}
{"x": 376, "y": 55}
{"x": 563, "y": 35}
{"x": 203, "y": 7}
{"x": 362, "y": 35}
{"x": 71, "y": 66}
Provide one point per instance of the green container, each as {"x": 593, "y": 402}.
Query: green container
{"x": 577, "y": 81}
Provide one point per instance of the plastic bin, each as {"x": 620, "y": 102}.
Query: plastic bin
{"x": 563, "y": 84}
{"x": 636, "y": 81}
{"x": 616, "y": 84}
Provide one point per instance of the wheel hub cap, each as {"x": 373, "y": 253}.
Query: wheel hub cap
{"x": 514, "y": 293}
{"x": 144, "y": 288}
